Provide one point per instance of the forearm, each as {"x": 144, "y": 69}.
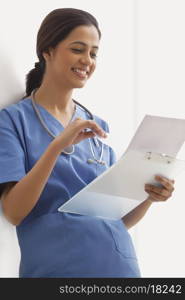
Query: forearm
{"x": 21, "y": 199}
{"x": 137, "y": 214}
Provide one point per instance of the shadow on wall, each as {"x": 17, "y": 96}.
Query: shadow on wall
{"x": 10, "y": 85}
{"x": 9, "y": 249}
{"x": 11, "y": 90}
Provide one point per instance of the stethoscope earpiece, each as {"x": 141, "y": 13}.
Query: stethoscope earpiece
{"x": 96, "y": 142}
{"x": 102, "y": 162}
{"x": 93, "y": 161}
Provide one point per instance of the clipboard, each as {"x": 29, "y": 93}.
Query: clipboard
{"x": 120, "y": 188}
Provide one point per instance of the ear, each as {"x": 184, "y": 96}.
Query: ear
{"x": 48, "y": 54}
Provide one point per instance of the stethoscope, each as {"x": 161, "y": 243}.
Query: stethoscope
{"x": 70, "y": 150}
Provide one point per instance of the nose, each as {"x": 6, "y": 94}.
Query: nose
{"x": 86, "y": 59}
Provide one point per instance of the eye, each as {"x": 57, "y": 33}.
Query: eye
{"x": 93, "y": 55}
{"x": 77, "y": 50}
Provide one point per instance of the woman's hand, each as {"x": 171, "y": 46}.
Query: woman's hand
{"x": 160, "y": 193}
{"x": 76, "y": 132}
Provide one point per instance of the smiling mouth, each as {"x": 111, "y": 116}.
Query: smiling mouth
{"x": 80, "y": 73}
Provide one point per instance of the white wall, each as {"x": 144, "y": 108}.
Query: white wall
{"x": 159, "y": 90}
{"x": 140, "y": 70}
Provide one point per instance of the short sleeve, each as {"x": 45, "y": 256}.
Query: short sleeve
{"x": 12, "y": 156}
{"x": 111, "y": 151}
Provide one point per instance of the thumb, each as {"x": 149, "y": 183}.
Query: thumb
{"x": 85, "y": 134}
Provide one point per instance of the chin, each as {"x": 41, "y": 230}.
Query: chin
{"x": 79, "y": 85}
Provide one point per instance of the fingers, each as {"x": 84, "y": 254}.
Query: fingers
{"x": 157, "y": 190}
{"x": 83, "y": 124}
{"x": 85, "y": 135}
{"x": 167, "y": 183}
{"x": 160, "y": 193}
{"x": 157, "y": 197}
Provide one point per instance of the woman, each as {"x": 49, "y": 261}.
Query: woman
{"x": 45, "y": 147}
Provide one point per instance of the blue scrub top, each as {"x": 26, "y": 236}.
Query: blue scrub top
{"x": 55, "y": 244}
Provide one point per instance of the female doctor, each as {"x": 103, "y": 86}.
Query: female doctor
{"x": 49, "y": 152}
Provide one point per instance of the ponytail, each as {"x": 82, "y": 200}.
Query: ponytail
{"x": 34, "y": 77}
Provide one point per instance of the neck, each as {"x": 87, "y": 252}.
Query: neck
{"x": 55, "y": 100}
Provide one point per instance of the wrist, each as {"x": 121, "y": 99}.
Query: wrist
{"x": 149, "y": 200}
{"x": 57, "y": 146}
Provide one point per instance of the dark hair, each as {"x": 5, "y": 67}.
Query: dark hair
{"x": 55, "y": 28}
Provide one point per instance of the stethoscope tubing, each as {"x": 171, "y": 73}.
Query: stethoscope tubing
{"x": 71, "y": 149}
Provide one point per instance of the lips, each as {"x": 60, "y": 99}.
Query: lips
{"x": 81, "y": 73}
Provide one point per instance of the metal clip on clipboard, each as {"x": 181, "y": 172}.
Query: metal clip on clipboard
{"x": 159, "y": 157}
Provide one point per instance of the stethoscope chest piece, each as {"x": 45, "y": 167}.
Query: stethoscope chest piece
{"x": 93, "y": 161}
{"x": 90, "y": 161}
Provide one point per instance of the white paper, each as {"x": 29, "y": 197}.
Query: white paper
{"x": 99, "y": 205}
{"x": 159, "y": 135}
{"x": 120, "y": 189}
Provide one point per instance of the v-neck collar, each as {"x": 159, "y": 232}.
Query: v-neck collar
{"x": 46, "y": 114}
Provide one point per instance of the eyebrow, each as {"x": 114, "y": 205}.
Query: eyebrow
{"x": 83, "y": 44}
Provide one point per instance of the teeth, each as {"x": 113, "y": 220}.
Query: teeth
{"x": 80, "y": 71}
